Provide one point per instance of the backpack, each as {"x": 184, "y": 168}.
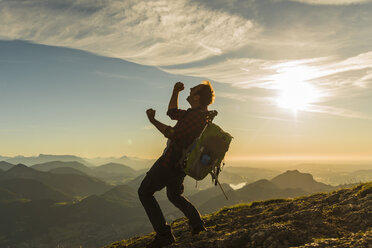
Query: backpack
{"x": 205, "y": 155}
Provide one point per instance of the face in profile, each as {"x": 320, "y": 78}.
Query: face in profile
{"x": 193, "y": 98}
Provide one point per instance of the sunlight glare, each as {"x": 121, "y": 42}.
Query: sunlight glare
{"x": 296, "y": 96}
{"x": 295, "y": 93}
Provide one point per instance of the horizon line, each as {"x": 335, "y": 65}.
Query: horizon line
{"x": 271, "y": 157}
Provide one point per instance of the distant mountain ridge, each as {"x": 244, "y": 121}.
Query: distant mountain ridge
{"x": 3, "y": 158}
{"x": 305, "y": 181}
{"x": 114, "y": 168}
{"x": 133, "y": 162}
{"x": 112, "y": 173}
{"x": 115, "y": 173}
{"x": 72, "y": 185}
{"x": 44, "y": 158}
{"x": 5, "y": 165}
{"x": 60, "y": 164}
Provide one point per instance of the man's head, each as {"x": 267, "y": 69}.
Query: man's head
{"x": 201, "y": 95}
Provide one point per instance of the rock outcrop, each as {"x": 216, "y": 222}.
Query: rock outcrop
{"x": 342, "y": 218}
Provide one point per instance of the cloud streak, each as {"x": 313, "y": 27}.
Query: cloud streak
{"x": 339, "y": 112}
{"x": 332, "y": 78}
{"x": 168, "y": 33}
{"x": 152, "y": 32}
{"x": 332, "y": 2}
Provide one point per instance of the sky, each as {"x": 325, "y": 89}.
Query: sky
{"x": 293, "y": 78}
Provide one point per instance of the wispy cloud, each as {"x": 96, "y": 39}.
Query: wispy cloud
{"x": 251, "y": 53}
{"x": 244, "y": 73}
{"x": 339, "y": 112}
{"x": 333, "y": 78}
{"x": 332, "y": 2}
{"x": 247, "y": 73}
{"x": 152, "y": 32}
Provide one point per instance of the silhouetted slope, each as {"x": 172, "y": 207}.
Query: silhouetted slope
{"x": 33, "y": 190}
{"x": 305, "y": 181}
{"x": 122, "y": 194}
{"x": 336, "y": 217}
{"x": 20, "y": 171}
{"x": 92, "y": 222}
{"x": 67, "y": 170}
{"x": 114, "y": 168}
{"x": 98, "y": 209}
{"x": 72, "y": 185}
{"x": 8, "y": 196}
{"x": 4, "y": 166}
{"x": 203, "y": 195}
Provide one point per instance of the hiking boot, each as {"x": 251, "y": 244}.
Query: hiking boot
{"x": 161, "y": 241}
{"x": 196, "y": 230}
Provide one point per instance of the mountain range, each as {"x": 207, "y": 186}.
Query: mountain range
{"x": 65, "y": 206}
{"x": 134, "y": 162}
{"x": 70, "y": 184}
{"x": 43, "y": 158}
{"x": 112, "y": 173}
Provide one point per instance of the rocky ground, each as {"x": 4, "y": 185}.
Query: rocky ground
{"x": 339, "y": 219}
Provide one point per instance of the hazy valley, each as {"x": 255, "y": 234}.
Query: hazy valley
{"x": 75, "y": 203}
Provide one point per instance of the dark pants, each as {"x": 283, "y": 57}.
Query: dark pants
{"x": 156, "y": 179}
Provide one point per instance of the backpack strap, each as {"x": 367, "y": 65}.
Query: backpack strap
{"x": 210, "y": 115}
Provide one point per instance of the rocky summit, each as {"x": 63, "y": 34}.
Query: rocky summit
{"x": 342, "y": 218}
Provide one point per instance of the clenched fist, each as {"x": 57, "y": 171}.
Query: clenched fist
{"x": 151, "y": 114}
{"x": 178, "y": 87}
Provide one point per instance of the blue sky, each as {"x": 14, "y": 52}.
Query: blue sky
{"x": 293, "y": 78}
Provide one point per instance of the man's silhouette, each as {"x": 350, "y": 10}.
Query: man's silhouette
{"x": 166, "y": 172}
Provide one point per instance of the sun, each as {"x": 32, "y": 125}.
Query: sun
{"x": 296, "y": 96}
{"x": 295, "y": 92}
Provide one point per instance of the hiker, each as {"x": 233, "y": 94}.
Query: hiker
{"x": 166, "y": 171}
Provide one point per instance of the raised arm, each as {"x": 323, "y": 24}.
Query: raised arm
{"x": 164, "y": 129}
{"x": 173, "y": 103}
{"x": 175, "y": 113}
